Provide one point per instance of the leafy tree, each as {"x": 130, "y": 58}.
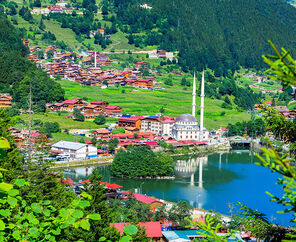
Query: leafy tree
{"x": 42, "y": 25}
{"x": 49, "y": 54}
{"x": 100, "y": 119}
{"x": 78, "y": 115}
{"x": 179, "y": 212}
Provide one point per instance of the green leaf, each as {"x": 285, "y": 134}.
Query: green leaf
{"x": 94, "y": 216}
{"x": 34, "y": 232}
{"x": 36, "y": 208}
{"x": 102, "y": 239}
{"x": 5, "y": 187}
{"x": 46, "y": 212}
{"x": 46, "y": 202}
{"x": 126, "y": 238}
{"x": 83, "y": 204}
{"x": 13, "y": 192}
{"x": 130, "y": 229}
{"x": 3, "y": 153}
{"x": 77, "y": 213}
{"x": 16, "y": 234}
{"x": 2, "y": 225}
{"x": 20, "y": 182}
{"x": 85, "y": 224}
{"x": 12, "y": 201}
{"x": 86, "y": 195}
{"x": 4, "y": 144}
{"x": 5, "y": 212}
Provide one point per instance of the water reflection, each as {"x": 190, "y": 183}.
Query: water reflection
{"x": 209, "y": 182}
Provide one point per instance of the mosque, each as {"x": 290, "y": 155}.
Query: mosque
{"x": 186, "y": 126}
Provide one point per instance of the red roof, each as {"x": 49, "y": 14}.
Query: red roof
{"x": 143, "y": 198}
{"x": 131, "y": 119}
{"x": 153, "y": 229}
{"x": 98, "y": 102}
{"x": 112, "y": 107}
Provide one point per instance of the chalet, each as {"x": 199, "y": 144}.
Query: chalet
{"x": 130, "y": 123}
{"x": 68, "y": 105}
{"x": 101, "y": 134}
{"x": 90, "y": 109}
{"x": 101, "y": 31}
{"x": 141, "y": 64}
{"x": 100, "y": 104}
{"x": 113, "y": 110}
{"x": 144, "y": 83}
{"x": 33, "y": 57}
{"x": 5, "y": 100}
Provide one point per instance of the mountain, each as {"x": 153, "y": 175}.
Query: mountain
{"x": 17, "y": 73}
{"x": 219, "y": 34}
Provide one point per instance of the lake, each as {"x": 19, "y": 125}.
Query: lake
{"x": 216, "y": 182}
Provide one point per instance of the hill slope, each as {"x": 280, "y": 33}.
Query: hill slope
{"x": 220, "y": 34}
{"x": 17, "y": 73}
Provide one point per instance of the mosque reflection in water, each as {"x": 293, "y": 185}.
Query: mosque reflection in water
{"x": 187, "y": 169}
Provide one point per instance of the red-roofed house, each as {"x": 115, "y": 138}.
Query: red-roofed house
{"x": 153, "y": 229}
{"x": 130, "y": 122}
{"x": 158, "y": 125}
{"x": 100, "y": 104}
{"x": 113, "y": 110}
{"x": 148, "y": 200}
{"x": 143, "y": 83}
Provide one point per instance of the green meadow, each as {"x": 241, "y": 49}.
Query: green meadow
{"x": 174, "y": 99}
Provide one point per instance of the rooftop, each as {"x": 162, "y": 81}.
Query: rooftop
{"x": 68, "y": 145}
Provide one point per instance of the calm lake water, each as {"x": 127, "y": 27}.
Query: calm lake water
{"x": 216, "y": 182}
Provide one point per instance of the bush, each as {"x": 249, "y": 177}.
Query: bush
{"x": 99, "y": 120}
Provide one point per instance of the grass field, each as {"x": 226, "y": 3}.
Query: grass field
{"x": 174, "y": 99}
{"x": 66, "y": 35}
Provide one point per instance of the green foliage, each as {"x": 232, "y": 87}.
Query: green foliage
{"x": 141, "y": 162}
{"x": 210, "y": 229}
{"x": 100, "y": 120}
{"x": 20, "y": 220}
{"x": 78, "y": 115}
{"x": 17, "y": 73}
{"x": 179, "y": 212}
{"x": 251, "y": 128}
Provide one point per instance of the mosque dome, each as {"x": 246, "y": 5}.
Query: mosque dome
{"x": 186, "y": 118}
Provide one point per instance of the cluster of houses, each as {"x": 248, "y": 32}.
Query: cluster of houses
{"x": 60, "y": 7}
{"x": 89, "y": 110}
{"x": 291, "y": 115}
{"x": 86, "y": 69}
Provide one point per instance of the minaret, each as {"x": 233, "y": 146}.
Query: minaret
{"x": 202, "y": 105}
{"x": 95, "y": 59}
{"x": 194, "y": 96}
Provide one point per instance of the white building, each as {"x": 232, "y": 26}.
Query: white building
{"x": 186, "y": 126}
{"x": 77, "y": 151}
{"x": 158, "y": 125}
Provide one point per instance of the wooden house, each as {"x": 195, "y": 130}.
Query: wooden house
{"x": 113, "y": 110}
{"x": 5, "y": 100}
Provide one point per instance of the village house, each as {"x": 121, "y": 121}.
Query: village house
{"x": 143, "y": 83}
{"x": 25, "y": 42}
{"x": 113, "y": 110}
{"x": 158, "y": 125}
{"x": 103, "y": 134}
{"x": 68, "y": 105}
{"x": 100, "y": 104}
{"x": 5, "y": 100}
{"x": 76, "y": 151}
{"x": 130, "y": 123}
{"x": 142, "y": 64}
{"x": 281, "y": 109}
{"x": 264, "y": 91}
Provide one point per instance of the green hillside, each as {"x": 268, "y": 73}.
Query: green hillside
{"x": 219, "y": 34}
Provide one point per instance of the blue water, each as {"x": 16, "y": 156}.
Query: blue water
{"x": 231, "y": 179}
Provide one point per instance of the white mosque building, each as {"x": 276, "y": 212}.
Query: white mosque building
{"x": 186, "y": 125}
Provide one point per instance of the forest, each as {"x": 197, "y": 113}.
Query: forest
{"x": 221, "y": 35}
{"x": 17, "y": 73}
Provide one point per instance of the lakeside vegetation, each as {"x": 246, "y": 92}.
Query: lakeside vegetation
{"x": 141, "y": 162}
